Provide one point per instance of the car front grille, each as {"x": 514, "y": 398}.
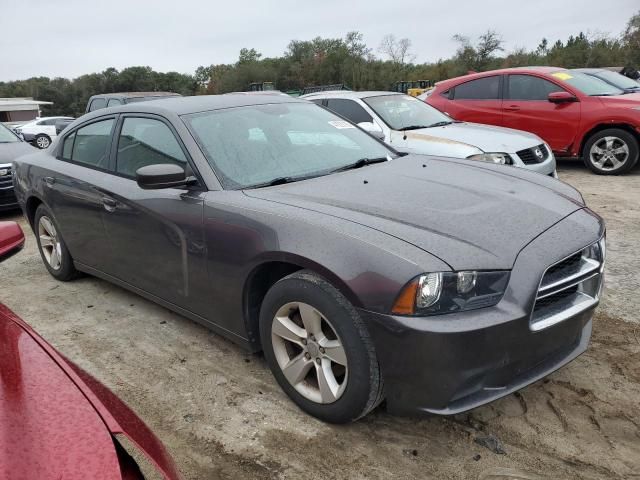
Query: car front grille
{"x": 537, "y": 154}
{"x": 6, "y": 182}
{"x": 569, "y": 287}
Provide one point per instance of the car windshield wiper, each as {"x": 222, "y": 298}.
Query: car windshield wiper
{"x": 283, "y": 180}
{"x": 360, "y": 163}
{"x": 441, "y": 124}
{"x": 414, "y": 127}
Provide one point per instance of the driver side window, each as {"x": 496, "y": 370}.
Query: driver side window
{"x": 145, "y": 141}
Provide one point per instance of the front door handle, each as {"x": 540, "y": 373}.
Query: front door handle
{"x": 109, "y": 204}
{"x": 512, "y": 108}
{"x": 49, "y": 180}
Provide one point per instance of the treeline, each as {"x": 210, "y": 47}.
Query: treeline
{"x": 346, "y": 60}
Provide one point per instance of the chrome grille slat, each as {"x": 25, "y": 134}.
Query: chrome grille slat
{"x": 569, "y": 287}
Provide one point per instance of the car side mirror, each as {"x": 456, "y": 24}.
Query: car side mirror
{"x": 373, "y": 128}
{"x": 11, "y": 239}
{"x": 562, "y": 97}
{"x": 162, "y": 175}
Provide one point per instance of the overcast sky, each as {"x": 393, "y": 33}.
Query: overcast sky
{"x": 71, "y": 37}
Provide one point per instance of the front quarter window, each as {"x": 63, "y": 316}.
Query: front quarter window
{"x": 253, "y": 145}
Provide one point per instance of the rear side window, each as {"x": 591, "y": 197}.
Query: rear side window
{"x": 97, "y": 103}
{"x": 349, "y": 109}
{"x": 528, "y": 87}
{"x": 145, "y": 141}
{"x": 89, "y": 144}
{"x": 487, "y": 88}
{"x": 114, "y": 102}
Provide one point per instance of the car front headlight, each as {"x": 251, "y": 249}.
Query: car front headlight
{"x": 446, "y": 292}
{"x": 497, "y": 157}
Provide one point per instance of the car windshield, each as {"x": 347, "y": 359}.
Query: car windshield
{"x": 618, "y": 80}
{"x": 7, "y": 136}
{"x": 402, "y": 112}
{"x": 587, "y": 84}
{"x": 255, "y": 145}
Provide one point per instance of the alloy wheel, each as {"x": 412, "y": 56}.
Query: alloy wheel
{"x": 50, "y": 243}
{"x": 309, "y": 352}
{"x": 609, "y": 153}
{"x": 43, "y": 142}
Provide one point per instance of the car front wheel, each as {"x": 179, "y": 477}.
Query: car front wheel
{"x": 611, "y": 152}
{"x": 42, "y": 141}
{"x": 319, "y": 350}
{"x": 52, "y": 248}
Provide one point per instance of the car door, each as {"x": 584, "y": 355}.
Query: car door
{"x": 72, "y": 190}
{"x": 526, "y": 107}
{"x": 477, "y": 101}
{"x": 156, "y": 236}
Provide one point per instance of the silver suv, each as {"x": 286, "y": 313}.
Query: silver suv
{"x": 410, "y": 125}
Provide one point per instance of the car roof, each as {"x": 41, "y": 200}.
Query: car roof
{"x": 136, "y": 94}
{"x": 502, "y": 71}
{"x": 194, "y": 104}
{"x": 347, "y": 94}
{"x": 589, "y": 70}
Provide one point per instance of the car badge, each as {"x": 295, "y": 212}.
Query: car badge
{"x": 539, "y": 153}
{"x": 3, "y": 172}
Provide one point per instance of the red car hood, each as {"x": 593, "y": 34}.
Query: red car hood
{"x": 54, "y": 419}
{"x": 630, "y": 99}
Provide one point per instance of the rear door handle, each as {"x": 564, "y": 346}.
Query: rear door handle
{"x": 49, "y": 180}
{"x": 512, "y": 108}
{"x": 109, "y": 204}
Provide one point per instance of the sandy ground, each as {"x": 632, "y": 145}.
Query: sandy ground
{"x": 221, "y": 414}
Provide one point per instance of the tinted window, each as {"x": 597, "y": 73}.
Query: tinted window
{"x": 144, "y": 141}
{"x": 528, "y": 87}
{"x": 349, "y": 109}
{"x": 248, "y": 146}
{"x": 317, "y": 101}
{"x": 114, "y": 102}
{"x": 91, "y": 144}
{"x": 487, "y": 88}
{"x": 97, "y": 103}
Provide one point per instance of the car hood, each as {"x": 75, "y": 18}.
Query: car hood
{"x": 469, "y": 214}
{"x": 10, "y": 151}
{"x": 629, "y": 99}
{"x": 54, "y": 420}
{"x": 484, "y": 137}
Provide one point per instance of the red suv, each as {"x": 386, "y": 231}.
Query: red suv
{"x": 577, "y": 114}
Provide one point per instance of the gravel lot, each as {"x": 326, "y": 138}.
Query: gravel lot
{"x": 222, "y": 416}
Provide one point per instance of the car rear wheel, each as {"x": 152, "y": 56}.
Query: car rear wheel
{"x": 319, "y": 350}
{"x": 611, "y": 152}
{"x": 53, "y": 250}
{"x": 42, "y": 141}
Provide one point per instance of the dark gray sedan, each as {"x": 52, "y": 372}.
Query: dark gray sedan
{"x": 363, "y": 275}
{"x": 11, "y": 147}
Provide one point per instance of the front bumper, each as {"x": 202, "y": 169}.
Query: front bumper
{"x": 428, "y": 370}
{"x": 447, "y": 364}
{"x": 8, "y": 199}
{"x": 546, "y": 167}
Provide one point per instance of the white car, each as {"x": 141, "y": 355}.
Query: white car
{"x": 41, "y": 131}
{"x": 410, "y": 125}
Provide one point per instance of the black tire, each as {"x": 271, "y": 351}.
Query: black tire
{"x": 42, "y": 141}
{"x": 364, "y": 384}
{"x": 599, "y": 164}
{"x": 66, "y": 270}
